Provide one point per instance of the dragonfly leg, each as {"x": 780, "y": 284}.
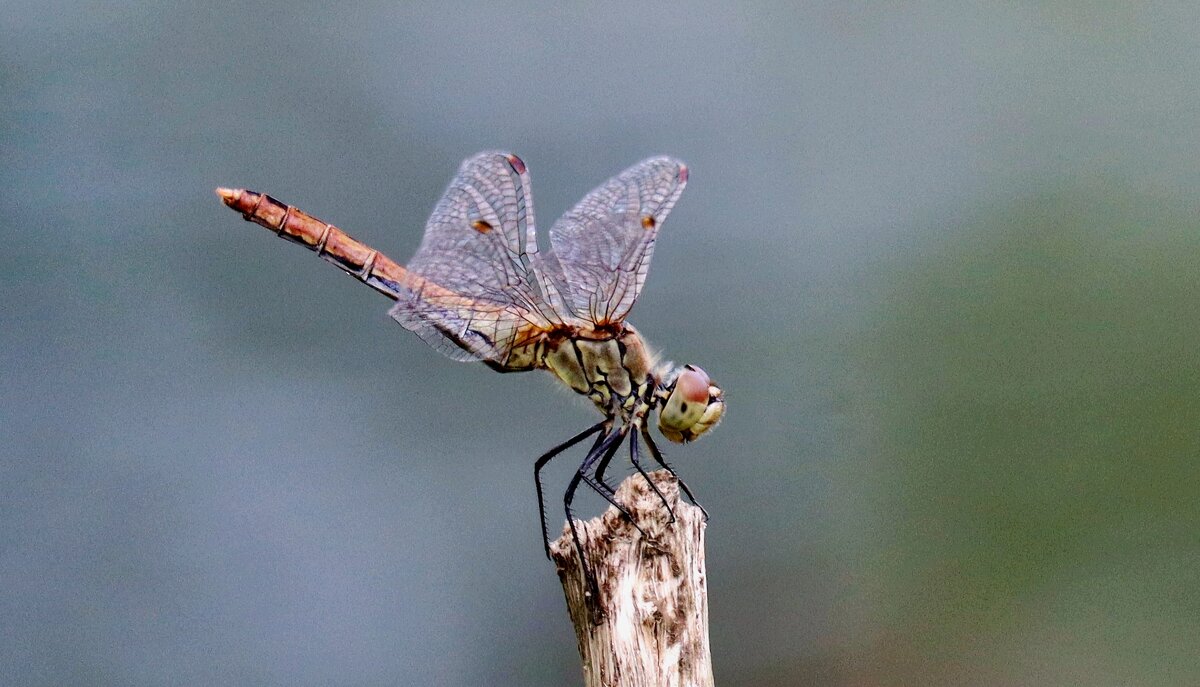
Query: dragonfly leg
{"x": 605, "y": 489}
{"x": 610, "y": 445}
{"x": 634, "y": 458}
{"x": 545, "y": 458}
{"x": 658, "y": 458}
{"x": 611, "y": 497}
{"x": 597, "y": 483}
{"x": 600, "y": 469}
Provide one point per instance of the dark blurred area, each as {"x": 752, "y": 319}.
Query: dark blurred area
{"x": 943, "y": 260}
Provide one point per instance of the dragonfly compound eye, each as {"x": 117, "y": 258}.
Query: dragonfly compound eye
{"x": 694, "y": 405}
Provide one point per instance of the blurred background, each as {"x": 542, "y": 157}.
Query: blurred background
{"x": 944, "y": 260}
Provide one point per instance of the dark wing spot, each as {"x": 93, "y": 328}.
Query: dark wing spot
{"x": 516, "y": 163}
{"x": 481, "y": 226}
{"x": 648, "y": 222}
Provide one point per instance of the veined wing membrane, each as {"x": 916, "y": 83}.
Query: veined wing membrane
{"x": 604, "y": 244}
{"x": 480, "y": 249}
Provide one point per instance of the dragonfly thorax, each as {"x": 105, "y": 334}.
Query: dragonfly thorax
{"x": 621, "y": 376}
{"x": 614, "y": 372}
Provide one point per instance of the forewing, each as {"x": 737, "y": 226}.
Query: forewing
{"x": 604, "y": 243}
{"x": 480, "y": 250}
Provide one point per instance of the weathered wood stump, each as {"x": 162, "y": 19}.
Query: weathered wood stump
{"x": 649, "y": 628}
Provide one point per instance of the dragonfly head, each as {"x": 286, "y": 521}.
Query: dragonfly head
{"x": 691, "y": 404}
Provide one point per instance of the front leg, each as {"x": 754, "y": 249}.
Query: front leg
{"x": 658, "y": 458}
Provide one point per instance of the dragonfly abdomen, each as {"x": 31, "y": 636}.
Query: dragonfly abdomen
{"x": 330, "y": 243}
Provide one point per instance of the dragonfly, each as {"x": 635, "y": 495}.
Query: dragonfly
{"x": 479, "y": 289}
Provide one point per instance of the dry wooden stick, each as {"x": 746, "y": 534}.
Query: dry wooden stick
{"x": 649, "y": 628}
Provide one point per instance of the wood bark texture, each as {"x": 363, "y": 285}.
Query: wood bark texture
{"x": 649, "y": 628}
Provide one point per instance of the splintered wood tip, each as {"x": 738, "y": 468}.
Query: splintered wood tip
{"x": 229, "y": 195}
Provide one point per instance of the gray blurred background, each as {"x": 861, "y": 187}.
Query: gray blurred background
{"x": 945, "y": 261}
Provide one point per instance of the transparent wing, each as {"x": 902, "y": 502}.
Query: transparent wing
{"x": 462, "y": 328}
{"x": 604, "y": 243}
{"x": 487, "y": 289}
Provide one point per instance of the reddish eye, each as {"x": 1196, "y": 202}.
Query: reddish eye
{"x": 692, "y": 386}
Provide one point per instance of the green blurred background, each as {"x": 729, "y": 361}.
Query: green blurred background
{"x": 944, "y": 259}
